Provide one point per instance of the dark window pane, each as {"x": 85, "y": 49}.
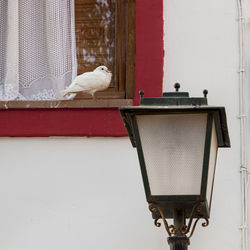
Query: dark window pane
{"x": 95, "y": 34}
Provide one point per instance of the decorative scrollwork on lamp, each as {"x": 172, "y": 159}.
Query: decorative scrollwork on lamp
{"x": 184, "y": 229}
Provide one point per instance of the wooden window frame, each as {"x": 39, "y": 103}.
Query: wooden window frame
{"x": 57, "y": 120}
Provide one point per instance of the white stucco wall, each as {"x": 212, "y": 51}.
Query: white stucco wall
{"x": 201, "y": 47}
{"x": 87, "y": 193}
{"x": 73, "y": 193}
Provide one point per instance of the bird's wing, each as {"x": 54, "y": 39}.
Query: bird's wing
{"x": 87, "y": 81}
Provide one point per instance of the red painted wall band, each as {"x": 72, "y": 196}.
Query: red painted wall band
{"x": 61, "y": 122}
{"x": 149, "y": 48}
{"x": 99, "y": 122}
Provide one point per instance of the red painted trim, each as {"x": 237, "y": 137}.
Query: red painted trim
{"x": 149, "y": 48}
{"x": 59, "y": 122}
{"x": 99, "y": 122}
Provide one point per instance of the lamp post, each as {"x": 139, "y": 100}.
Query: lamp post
{"x": 177, "y": 138}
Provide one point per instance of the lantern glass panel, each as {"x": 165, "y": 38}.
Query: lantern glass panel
{"x": 212, "y": 163}
{"x": 173, "y": 149}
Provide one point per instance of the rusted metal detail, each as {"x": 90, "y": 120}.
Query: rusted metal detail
{"x": 204, "y": 224}
{"x": 197, "y": 208}
{"x": 184, "y": 229}
{"x": 157, "y": 224}
{"x": 153, "y": 208}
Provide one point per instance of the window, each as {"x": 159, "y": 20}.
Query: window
{"x": 38, "y": 43}
{"x": 42, "y": 120}
{"x": 105, "y": 35}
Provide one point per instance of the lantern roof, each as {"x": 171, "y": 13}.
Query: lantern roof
{"x": 176, "y": 103}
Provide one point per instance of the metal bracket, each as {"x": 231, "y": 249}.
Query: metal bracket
{"x": 184, "y": 229}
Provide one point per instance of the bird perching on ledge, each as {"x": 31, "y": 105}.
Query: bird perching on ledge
{"x": 90, "y": 82}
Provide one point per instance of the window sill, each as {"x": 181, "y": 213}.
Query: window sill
{"x": 78, "y": 103}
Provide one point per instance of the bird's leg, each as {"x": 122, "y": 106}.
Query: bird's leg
{"x": 94, "y": 97}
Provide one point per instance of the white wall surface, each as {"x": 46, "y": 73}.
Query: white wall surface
{"x": 87, "y": 193}
{"x": 201, "y": 47}
{"x": 73, "y": 193}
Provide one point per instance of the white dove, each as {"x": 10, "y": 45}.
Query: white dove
{"x": 90, "y": 82}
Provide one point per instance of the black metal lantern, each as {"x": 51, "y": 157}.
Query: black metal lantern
{"x": 177, "y": 138}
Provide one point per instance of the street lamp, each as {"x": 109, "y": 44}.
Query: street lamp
{"x": 177, "y": 138}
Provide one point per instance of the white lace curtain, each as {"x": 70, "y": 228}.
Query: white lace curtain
{"x": 37, "y": 48}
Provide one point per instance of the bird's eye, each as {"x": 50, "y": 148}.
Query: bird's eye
{"x": 102, "y": 68}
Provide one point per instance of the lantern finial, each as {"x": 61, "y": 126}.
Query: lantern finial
{"x": 205, "y": 92}
{"x": 177, "y": 86}
{"x": 141, "y": 93}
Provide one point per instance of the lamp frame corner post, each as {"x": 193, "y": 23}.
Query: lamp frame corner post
{"x": 177, "y": 137}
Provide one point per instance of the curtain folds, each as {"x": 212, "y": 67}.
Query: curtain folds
{"x": 37, "y": 48}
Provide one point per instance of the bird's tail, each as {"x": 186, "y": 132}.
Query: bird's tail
{"x": 67, "y": 94}
{"x": 64, "y": 92}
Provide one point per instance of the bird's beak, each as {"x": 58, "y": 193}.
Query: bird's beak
{"x": 109, "y": 71}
